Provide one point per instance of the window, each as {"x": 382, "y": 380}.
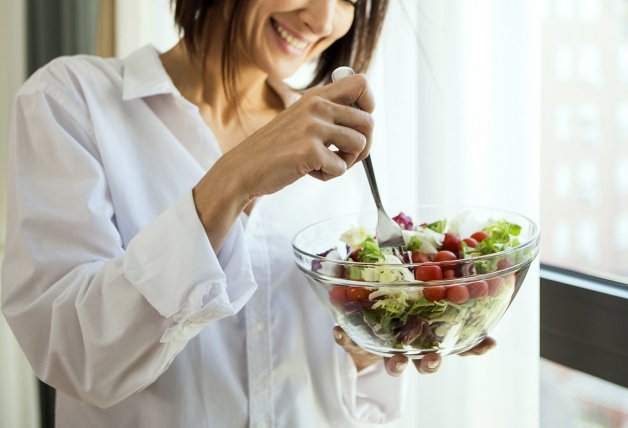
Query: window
{"x": 584, "y": 213}
{"x": 584, "y": 110}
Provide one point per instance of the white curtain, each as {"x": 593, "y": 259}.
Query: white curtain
{"x": 139, "y": 22}
{"x": 457, "y": 122}
{"x": 19, "y": 400}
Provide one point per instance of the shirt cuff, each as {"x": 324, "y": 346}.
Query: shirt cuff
{"x": 372, "y": 395}
{"x": 172, "y": 263}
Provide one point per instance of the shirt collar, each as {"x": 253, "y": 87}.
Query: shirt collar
{"x": 144, "y": 75}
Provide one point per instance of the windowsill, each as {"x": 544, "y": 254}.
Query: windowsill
{"x": 583, "y": 323}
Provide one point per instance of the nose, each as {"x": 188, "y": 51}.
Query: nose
{"x": 318, "y": 16}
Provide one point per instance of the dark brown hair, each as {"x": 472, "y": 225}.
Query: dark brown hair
{"x": 355, "y": 48}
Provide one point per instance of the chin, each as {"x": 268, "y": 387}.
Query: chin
{"x": 283, "y": 70}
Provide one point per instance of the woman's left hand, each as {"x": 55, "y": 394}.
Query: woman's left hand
{"x": 395, "y": 365}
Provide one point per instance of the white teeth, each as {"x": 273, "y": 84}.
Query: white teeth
{"x": 298, "y": 44}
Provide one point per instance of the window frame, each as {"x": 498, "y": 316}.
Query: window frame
{"x": 584, "y": 323}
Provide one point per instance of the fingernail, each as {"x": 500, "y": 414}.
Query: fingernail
{"x": 433, "y": 364}
{"x": 338, "y": 335}
{"x": 400, "y": 366}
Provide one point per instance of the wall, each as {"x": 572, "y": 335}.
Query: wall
{"x": 19, "y": 405}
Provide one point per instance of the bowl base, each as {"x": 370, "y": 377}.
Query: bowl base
{"x": 419, "y": 354}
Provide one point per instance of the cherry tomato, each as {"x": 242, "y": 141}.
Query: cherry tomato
{"x": 480, "y": 235}
{"x": 449, "y": 274}
{"x": 470, "y": 242}
{"x": 338, "y": 296}
{"x": 428, "y": 273}
{"x": 495, "y": 285}
{"x": 419, "y": 257}
{"x": 457, "y": 294}
{"x": 434, "y": 293}
{"x": 451, "y": 243}
{"x": 504, "y": 264}
{"x": 444, "y": 256}
{"x": 357, "y": 293}
{"x": 355, "y": 256}
{"x": 478, "y": 289}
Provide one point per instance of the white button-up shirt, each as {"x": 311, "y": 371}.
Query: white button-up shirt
{"x": 112, "y": 287}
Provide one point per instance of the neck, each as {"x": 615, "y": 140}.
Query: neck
{"x": 205, "y": 87}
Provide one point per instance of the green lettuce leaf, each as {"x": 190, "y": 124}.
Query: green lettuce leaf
{"x": 438, "y": 226}
{"x": 370, "y": 252}
{"x": 414, "y": 244}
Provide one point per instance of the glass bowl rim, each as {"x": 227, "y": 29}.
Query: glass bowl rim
{"x": 529, "y": 242}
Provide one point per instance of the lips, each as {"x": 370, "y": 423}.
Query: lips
{"x": 288, "y": 37}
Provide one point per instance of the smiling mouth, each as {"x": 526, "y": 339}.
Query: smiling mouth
{"x": 291, "y": 40}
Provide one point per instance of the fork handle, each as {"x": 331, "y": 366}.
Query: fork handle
{"x": 370, "y": 175}
{"x": 338, "y": 74}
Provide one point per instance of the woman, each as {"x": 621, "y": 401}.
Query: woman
{"x": 144, "y": 277}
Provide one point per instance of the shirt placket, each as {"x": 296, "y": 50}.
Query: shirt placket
{"x": 258, "y": 339}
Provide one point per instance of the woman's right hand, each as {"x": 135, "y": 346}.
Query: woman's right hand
{"x": 295, "y": 143}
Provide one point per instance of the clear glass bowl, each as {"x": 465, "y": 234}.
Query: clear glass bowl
{"x": 408, "y": 316}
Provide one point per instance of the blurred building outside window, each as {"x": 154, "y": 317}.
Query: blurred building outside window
{"x": 584, "y": 176}
{"x": 584, "y": 106}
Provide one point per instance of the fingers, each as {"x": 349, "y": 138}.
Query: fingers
{"x": 347, "y": 344}
{"x": 350, "y": 143}
{"x": 359, "y": 127}
{"x": 351, "y": 90}
{"x": 481, "y": 348}
{"x": 297, "y": 141}
{"x": 339, "y": 115}
{"x": 428, "y": 364}
{"x": 347, "y": 128}
{"x": 354, "y": 104}
{"x": 327, "y": 164}
{"x": 361, "y": 357}
{"x": 395, "y": 365}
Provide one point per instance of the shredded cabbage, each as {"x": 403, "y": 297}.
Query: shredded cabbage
{"x": 354, "y": 236}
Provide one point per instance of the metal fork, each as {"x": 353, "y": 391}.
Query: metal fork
{"x": 387, "y": 232}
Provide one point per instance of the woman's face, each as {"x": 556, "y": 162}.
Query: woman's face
{"x": 282, "y": 35}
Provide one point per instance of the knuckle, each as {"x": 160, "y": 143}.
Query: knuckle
{"x": 318, "y": 105}
{"x": 362, "y": 80}
{"x": 312, "y": 150}
{"x": 312, "y": 127}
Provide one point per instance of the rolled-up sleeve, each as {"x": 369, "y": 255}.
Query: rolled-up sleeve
{"x": 96, "y": 320}
{"x": 188, "y": 259}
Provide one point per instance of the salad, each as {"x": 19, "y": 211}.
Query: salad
{"x": 427, "y": 318}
